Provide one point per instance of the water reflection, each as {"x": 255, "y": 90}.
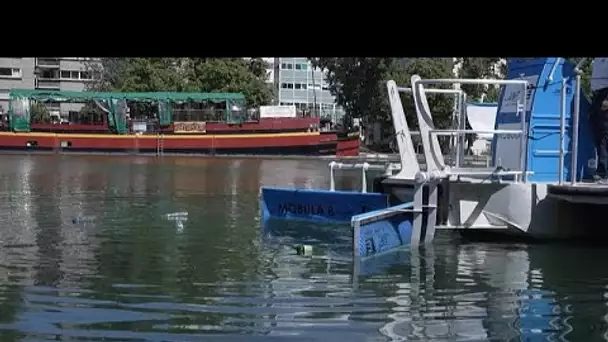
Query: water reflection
{"x": 131, "y": 274}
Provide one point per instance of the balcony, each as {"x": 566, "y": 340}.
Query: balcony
{"x": 47, "y": 62}
{"x": 51, "y": 84}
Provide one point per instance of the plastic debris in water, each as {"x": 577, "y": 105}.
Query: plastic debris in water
{"x": 305, "y": 250}
{"x": 180, "y": 216}
{"x": 83, "y": 219}
{"x": 179, "y": 219}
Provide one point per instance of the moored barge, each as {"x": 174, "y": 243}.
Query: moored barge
{"x": 162, "y": 123}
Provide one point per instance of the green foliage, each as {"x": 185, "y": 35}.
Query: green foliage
{"x": 586, "y": 73}
{"x": 184, "y": 75}
{"x": 476, "y": 67}
{"x": 441, "y": 104}
{"x": 359, "y": 84}
{"x": 39, "y": 113}
{"x": 227, "y": 75}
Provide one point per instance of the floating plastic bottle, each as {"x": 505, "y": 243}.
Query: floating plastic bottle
{"x": 83, "y": 219}
{"x": 179, "y": 216}
{"x": 305, "y": 250}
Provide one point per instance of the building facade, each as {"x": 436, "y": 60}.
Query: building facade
{"x": 294, "y": 80}
{"x": 299, "y": 84}
{"x": 49, "y": 73}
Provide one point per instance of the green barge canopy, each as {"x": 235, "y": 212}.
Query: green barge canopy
{"x": 114, "y": 104}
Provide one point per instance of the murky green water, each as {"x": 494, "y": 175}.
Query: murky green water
{"x": 88, "y": 253}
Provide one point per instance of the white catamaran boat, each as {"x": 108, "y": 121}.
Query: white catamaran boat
{"x": 542, "y": 155}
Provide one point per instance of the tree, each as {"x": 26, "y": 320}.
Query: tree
{"x": 184, "y": 74}
{"x": 228, "y": 75}
{"x": 357, "y": 84}
{"x": 476, "y": 67}
{"x": 586, "y": 73}
{"x": 40, "y": 113}
{"x": 442, "y": 105}
{"x": 135, "y": 74}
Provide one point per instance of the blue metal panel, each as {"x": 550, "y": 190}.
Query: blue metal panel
{"x": 376, "y": 232}
{"x": 318, "y": 205}
{"x": 542, "y": 120}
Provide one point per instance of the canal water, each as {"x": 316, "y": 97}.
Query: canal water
{"x": 99, "y": 248}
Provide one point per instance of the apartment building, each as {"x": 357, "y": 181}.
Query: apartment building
{"x": 294, "y": 80}
{"x": 299, "y": 84}
{"x": 49, "y": 73}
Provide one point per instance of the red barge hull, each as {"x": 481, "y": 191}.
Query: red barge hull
{"x": 304, "y": 143}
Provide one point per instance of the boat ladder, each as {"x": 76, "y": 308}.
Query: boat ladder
{"x": 136, "y": 145}
{"x": 160, "y": 145}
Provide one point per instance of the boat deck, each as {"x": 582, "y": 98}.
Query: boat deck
{"x": 587, "y": 193}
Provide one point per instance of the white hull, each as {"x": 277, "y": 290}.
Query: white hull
{"x": 520, "y": 209}
{"x": 523, "y": 208}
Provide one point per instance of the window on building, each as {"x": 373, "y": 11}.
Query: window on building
{"x": 49, "y": 74}
{"x": 283, "y": 65}
{"x": 289, "y": 66}
{"x": 303, "y": 85}
{"x": 327, "y": 107}
{"x": 298, "y": 86}
{"x": 10, "y": 72}
{"x": 85, "y": 75}
{"x": 324, "y": 87}
{"x": 303, "y": 66}
{"x": 289, "y": 85}
{"x": 284, "y": 85}
{"x": 65, "y": 74}
{"x": 74, "y": 75}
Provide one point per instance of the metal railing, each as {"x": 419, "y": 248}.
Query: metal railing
{"x": 388, "y": 169}
{"x": 458, "y": 117}
{"x": 47, "y": 62}
{"x": 521, "y": 111}
{"x": 575, "y": 126}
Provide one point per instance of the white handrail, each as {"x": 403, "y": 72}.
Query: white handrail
{"x": 388, "y": 170}
{"x": 471, "y": 81}
{"x": 575, "y": 117}
{"x": 432, "y": 91}
{"x": 521, "y": 108}
{"x": 464, "y": 131}
{"x": 562, "y": 131}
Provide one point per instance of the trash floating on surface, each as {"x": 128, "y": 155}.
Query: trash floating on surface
{"x": 305, "y": 250}
{"x": 83, "y": 219}
{"x": 179, "y": 216}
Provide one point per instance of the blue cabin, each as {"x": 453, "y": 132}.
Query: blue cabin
{"x": 543, "y": 97}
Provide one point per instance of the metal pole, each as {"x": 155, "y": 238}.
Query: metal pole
{"x": 332, "y": 182}
{"x": 562, "y": 131}
{"x": 524, "y": 137}
{"x": 575, "y": 116}
{"x": 364, "y": 168}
